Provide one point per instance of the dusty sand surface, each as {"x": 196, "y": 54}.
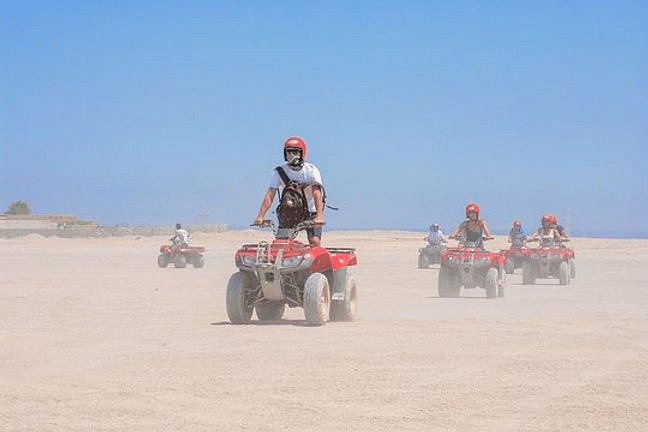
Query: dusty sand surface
{"x": 95, "y": 337}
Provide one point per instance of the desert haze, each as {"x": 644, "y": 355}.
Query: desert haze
{"x": 96, "y": 337}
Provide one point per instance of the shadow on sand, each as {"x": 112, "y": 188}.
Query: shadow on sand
{"x": 283, "y": 322}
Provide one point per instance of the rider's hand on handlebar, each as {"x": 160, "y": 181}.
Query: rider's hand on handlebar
{"x": 318, "y": 221}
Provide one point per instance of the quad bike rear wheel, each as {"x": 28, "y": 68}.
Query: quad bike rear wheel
{"x": 163, "y": 260}
{"x": 270, "y": 311}
{"x": 345, "y": 310}
{"x": 199, "y": 261}
{"x": 317, "y": 299}
{"x": 528, "y": 276}
{"x": 449, "y": 284}
{"x": 563, "y": 273}
{"x": 238, "y": 309}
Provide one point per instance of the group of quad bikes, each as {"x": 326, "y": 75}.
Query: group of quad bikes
{"x": 471, "y": 266}
{"x": 287, "y": 272}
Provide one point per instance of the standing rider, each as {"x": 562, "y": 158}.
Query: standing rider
{"x": 516, "y": 236}
{"x": 474, "y": 228}
{"x": 304, "y": 174}
{"x": 181, "y": 237}
{"x": 435, "y": 236}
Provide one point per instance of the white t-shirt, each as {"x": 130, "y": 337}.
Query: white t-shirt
{"x": 435, "y": 238}
{"x": 182, "y": 236}
{"x": 307, "y": 176}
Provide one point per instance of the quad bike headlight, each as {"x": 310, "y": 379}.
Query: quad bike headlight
{"x": 248, "y": 260}
{"x": 292, "y": 261}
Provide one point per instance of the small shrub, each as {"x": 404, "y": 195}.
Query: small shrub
{"x": 18, "y": 208}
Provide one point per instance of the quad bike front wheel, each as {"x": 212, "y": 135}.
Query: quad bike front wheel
{"x": 449, "y": 284}
{"x": 491, "y": 283}
{"x": 180, "y": 261}
{"x": 238, "y": 309}
{"x": 509, "y": 266}
{"x": 163, "y": 260}
{"x": 528, "y": 276}
{"x": 572, "y": 268}
{"x": 345, "y": 310}
{"x": 563, "y": 273}
{"x": 317, "y": 299}
{"x": 423, "y": 261}
{"x": 270, "y": 311}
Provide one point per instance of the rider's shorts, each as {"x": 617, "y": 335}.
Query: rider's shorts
{"x": 315, "y": 231}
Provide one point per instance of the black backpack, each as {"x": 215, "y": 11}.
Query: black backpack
{"x": 293, "y": 205}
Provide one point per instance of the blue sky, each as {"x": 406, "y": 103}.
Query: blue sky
{"x": 153, "y": 112}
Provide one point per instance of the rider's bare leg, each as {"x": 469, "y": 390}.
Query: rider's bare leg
{"x": 314, "y": 240}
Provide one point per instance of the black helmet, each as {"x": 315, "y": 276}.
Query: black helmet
{"x": 178, "y": 226}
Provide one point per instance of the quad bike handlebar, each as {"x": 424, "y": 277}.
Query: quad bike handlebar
{"x": 458, "y": 237}
{"x": 267, "y": 223}
{"x": 476, "y": 244}
{"x": 287, "y": 232}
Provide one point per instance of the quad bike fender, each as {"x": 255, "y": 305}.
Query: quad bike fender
{"x": 342, "y": 260}
{"x": 498, "y": 260}
{"x": 321, "y": 260}
{"x": 331, "y": 259}
{"x": 192, "y": 250}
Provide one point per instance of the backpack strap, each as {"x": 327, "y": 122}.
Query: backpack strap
{"x": 283, "y": 175}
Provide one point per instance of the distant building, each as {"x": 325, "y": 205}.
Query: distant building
{"x": 52, "y": 218}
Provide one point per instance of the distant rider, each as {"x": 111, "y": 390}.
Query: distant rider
{"x": 181, "y": 237}
{"x": 435, "y": 236}
{"x": 474, "y": 229}
{"x": 305, "y": 174}
{"x": 563, "y": 234}
{"x": 547, "y": 235}
{"x": 516, "y": 236}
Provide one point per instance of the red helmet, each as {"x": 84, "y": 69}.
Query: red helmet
{"x": 546, "y": 217}
{"x": 553, "y": 219}
{"x": 472, "y": 208}
{"x": 517, "y": 223}
{"x": 296, "y": 142}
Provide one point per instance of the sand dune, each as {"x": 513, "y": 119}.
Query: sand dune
{"x": 95, "y": 336}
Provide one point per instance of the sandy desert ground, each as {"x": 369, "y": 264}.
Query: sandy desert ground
{"x": 95, "y": 337}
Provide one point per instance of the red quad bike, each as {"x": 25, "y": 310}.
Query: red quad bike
{"x": 471, "y": 266}
{"x": 550, "y": 261}
{"x": 181, "y": 256}
{"x": 288, "y": 272}
{"x": 514, "y": 257}
{"x": 430, "y": 254}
